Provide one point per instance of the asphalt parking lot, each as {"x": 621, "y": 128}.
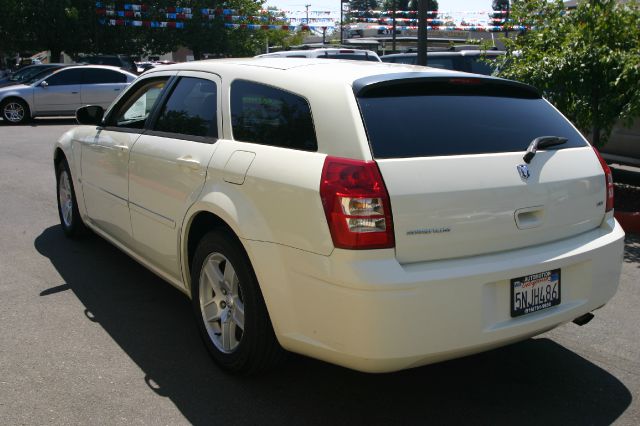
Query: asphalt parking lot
{"x": 90, "y": 337}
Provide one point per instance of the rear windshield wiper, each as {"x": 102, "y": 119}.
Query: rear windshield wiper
{"x": 541, "y": 143}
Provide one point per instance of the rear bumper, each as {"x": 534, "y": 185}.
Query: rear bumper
{"x": 364, "y": 310}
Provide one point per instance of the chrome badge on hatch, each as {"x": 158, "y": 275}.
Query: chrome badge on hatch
{"x": 523, "y": 169}
{"x": 423, "y": 231}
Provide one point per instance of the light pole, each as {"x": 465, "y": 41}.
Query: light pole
{"x": 422, "y": 32}
{"x": 342, "y": 2}
{"x": 393, "y": 28}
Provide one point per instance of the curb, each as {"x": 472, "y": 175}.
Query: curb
{"x": 630, "y": 221}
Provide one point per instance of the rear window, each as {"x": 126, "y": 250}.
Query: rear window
{"x": 441, "y": 119}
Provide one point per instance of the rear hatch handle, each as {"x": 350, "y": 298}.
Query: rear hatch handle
{"x": 541, "y": 143}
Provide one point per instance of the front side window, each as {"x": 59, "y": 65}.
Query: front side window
{"x": 191, "y": 109}
{"x": 66, "y": 77}
{"x": 270, "y": 116}
{"x": 134, "y": 110}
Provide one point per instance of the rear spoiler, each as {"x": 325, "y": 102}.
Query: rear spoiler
{"x": 421, "y": 84}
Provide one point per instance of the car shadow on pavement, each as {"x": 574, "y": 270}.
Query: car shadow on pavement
{"x": 533, "y": 382}
{"x": 37, "y": 122}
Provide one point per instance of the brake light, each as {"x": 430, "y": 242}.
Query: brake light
{"x": 356, "y": 204}
{"x": 608, "y": 176}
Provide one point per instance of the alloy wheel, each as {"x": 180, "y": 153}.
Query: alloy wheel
{"x": 221, "y": 303}
{"x": 66, "y": 199}
{"x": 13, "y": 112}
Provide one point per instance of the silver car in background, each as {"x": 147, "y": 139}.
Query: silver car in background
{"x": 62, "y": 92}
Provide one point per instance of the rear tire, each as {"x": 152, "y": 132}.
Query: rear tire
{"x": 70, "y": 219}
{"x": 15, "y": 111}
{"x": 229, "y": 308}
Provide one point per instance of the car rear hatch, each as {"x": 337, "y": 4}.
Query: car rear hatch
{"x": 450, "y": 151}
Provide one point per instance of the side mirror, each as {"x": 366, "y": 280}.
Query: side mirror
{"x": 91, "y": 114}
{"x": 44, "y": 84}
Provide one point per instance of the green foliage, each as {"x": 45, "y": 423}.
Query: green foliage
{"x": 408, "y": 5}
{"x": 500, "y": 4}
{"x": 586, "y": 62}
{"x": 363, "y": 4}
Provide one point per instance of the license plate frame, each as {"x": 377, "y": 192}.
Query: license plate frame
{"x": 535, "y": 292}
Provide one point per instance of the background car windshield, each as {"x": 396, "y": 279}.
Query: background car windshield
{"x": 441, "y": 125}
{"x": 26, "y": 73}
{"x": 39, "y": 76}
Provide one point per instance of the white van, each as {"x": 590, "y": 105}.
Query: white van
{"x": 351, "y": 54}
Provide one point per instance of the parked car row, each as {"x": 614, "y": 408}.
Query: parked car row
{"x": 472, "y": 61}
{"x": 62, "y": 91}
{"x": 302, "y": 206}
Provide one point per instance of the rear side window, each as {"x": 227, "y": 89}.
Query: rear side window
{"x": 102, "y": 76}
{"x": 270, "y": 116}
{"x": 191, "y": 109}
{"x": 442, "y": 119}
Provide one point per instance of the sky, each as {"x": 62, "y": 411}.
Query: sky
{"x": 445, "y": 5}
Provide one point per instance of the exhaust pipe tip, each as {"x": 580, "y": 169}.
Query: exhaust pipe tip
{"x": 582, "y": 320}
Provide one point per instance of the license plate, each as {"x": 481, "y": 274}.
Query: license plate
{"x": 535, "y": 292}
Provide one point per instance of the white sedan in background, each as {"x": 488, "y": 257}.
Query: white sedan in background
{"x": 62, "y": 92}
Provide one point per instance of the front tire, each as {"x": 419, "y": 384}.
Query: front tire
{"x": 70, "y": 219}
{"x": 229, "y": 307}
{"x": 15, "y": 111}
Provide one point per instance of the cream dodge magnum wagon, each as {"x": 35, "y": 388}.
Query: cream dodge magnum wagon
{"x": 375, "y": 216}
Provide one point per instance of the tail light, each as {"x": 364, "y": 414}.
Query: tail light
{"x": 356, "y": 203}
{"x": 608, "y": 181}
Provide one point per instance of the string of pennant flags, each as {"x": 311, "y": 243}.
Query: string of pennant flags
{"x": 141, "y": 15}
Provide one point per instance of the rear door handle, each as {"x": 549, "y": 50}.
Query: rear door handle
{"x": 121, "y": 147}
{"x": 188, "y": 162}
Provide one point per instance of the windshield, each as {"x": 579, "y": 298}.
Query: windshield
{"x": 25, "y": 74}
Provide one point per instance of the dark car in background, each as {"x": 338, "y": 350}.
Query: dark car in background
{"x": 473, "y": 61}
{"x": 27, "y": 73}
{"x": 121, "y": 61}
{"x": 623, "y": 146}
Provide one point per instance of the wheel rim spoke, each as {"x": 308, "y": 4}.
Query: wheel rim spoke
{"x": 213, "y": 274}
{"x": 230, "y": 279}
{"x": 228, "y": 332}
{"x": 238, "y": 313}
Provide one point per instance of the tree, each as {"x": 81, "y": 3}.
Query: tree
{"x": 363, "y": 5}
{"x": 408, "y": 4}
{"x": 586, "y": 62}
{"x": 500, "y": 4}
